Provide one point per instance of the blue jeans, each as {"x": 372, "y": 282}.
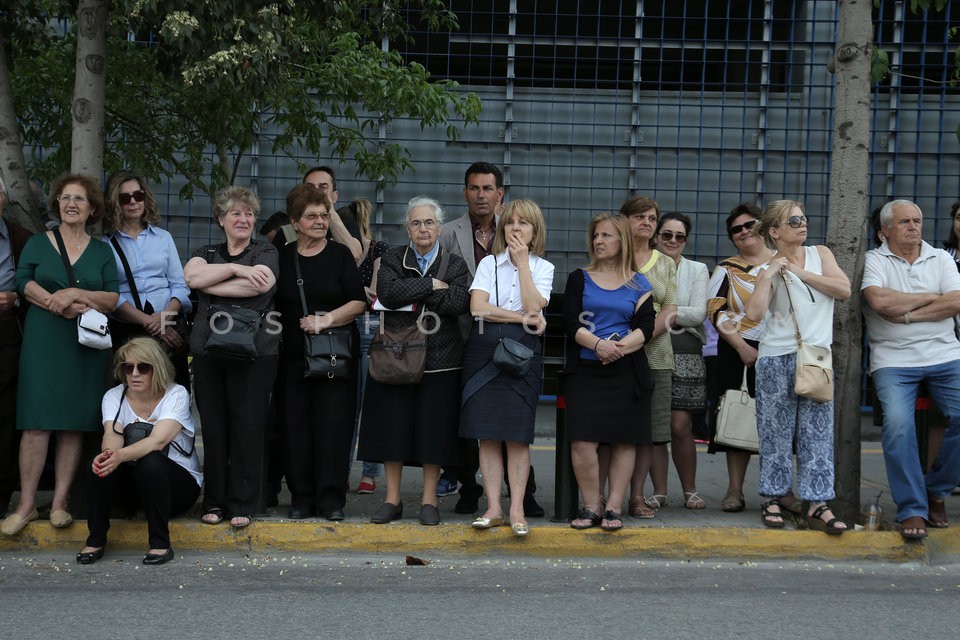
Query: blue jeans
{"x": 367, "y": 331}
{"x": 896, "y": 388}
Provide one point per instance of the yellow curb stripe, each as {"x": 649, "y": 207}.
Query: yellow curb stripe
{"x": 544, "y": 541}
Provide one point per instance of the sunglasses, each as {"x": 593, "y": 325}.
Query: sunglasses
{"x": 137, "y": 195}
{"x": 145, "y": 368}
{"x": 737, "y": 228}
{"x": 796, "y": 222}
{"x": 670, "y": 235}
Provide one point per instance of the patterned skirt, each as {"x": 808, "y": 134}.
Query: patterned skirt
{"x": 689, "y": 374}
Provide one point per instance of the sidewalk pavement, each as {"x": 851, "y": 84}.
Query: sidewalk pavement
{"x": 675, "y": 533}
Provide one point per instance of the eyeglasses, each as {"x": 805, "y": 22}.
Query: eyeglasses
{"x": 427, "y": 224}
{"x": 67, "y": 198}
{"x": 137, "y": 195}
{"x": 796, "y": 222}
{"x": 737, "y": 228}
{"x": 145, "y": 368}
{"x": 311, "y": 218}
{"x": 669, "y": 235}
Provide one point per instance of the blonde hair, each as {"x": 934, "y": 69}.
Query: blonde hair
{"x": 527, "y": 210}
{"x": 233, "y": 195}
{"x": 148, "y": 350}
{"x": 628, "y": 260}
{"x": 113, "y": 219}
{"x": 771, "y": 215}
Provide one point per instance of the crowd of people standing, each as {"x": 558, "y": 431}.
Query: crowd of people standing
{"x": 281, "y": 327}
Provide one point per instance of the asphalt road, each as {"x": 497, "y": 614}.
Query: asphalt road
{"x": 45, "y": 595}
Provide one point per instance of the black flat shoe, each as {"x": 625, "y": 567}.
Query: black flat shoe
{"x": 298, "y": 513}
{"x": 333, "y": 515}
{"x": 90, "y": 556}
{"x": 159, "y": 558}
{"x": 388, "y": 512}
{"x": 429, "y": 515}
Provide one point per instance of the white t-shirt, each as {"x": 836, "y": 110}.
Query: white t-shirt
{"x": 175, "y": 405}
{"x": 506, "y": 280}
{"x": 917, "y": 344}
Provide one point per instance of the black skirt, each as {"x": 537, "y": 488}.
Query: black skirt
{"x": 606, "y": 404}
{"x": 506, "y": 407}
{"x": 415, "y": 424}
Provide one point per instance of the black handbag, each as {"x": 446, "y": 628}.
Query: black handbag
{"x": 327, "y": 354}
{"x": 510, "y": 356}
{"x": 233, "y": 332}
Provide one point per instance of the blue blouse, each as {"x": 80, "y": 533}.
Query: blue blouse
{"x": 156, "y": 268}
{"x": 610, "y": 311}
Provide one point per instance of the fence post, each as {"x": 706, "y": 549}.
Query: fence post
{"x": 565, "y": 484}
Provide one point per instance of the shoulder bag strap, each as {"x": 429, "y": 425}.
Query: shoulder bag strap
{"x": 296, "y": 264}
{"x": 116, "y": 418}
{"x": 796, "y": 325}
{"x": 128, "y": 272}
{"x": 71, "y": 279}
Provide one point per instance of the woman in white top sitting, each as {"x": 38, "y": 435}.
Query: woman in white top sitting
{"x": 809, "y": 280}
{"x": 159, "y": 473}
{"x": 507, "y": 297}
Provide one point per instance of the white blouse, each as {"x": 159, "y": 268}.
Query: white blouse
{"x": 506, "y": 280}
{"x": 175, "y": 405}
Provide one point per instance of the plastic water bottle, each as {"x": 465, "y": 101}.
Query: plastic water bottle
{"x": 873, "y": 515}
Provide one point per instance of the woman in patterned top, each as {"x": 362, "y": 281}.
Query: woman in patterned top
{"x": 727, "y": 294}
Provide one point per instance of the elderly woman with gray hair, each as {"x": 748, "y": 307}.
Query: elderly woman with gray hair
{"x": 416, "y": 424}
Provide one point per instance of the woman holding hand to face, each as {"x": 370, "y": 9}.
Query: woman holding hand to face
{"x": 507, "y": 298}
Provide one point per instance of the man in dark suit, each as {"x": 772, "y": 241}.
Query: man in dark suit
{"x": 12, "y": 311}
{"x": 471, "y": 237}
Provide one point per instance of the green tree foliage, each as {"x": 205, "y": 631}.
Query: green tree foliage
{"x": 185, "y": 78}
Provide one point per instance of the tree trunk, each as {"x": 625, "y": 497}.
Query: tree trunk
{"x": 21, "y": 206}
{"x": 88, "y": 88}
{"x": 846, "y": 233}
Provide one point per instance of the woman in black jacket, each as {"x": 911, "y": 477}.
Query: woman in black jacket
{"x": 417, "y": 423}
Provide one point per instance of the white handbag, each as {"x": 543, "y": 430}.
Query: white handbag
{"x": 93, "y": 330}
{"x": 737, "y": 419}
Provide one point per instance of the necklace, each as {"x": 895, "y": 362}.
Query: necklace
{"x": 483, "y": 234}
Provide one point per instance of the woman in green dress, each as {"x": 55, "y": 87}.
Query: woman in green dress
{"x": 52, "y": 361}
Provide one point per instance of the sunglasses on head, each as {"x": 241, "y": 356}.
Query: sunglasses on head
{"x": 145, "y": 368}
{"x": 796, "y": 222}
{"x": 670, "y": 235}
{"x": 137, "y": 195}
{"x": 737, "y": 228}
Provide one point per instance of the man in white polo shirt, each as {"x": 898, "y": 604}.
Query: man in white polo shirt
{"x": 913, "y": 294}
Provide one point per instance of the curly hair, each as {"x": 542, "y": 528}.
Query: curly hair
{"x": 113, "y": 219}
{"x": 94, "y": 195}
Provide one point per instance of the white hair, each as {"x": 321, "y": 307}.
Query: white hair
{"x": 886, "y": 213}
{"x": 424, "y": 201}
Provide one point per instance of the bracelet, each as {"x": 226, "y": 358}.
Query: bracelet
{"x": 599, "y": 340}
{"x": 906, "y": 318}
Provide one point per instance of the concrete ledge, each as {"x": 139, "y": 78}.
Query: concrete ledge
{"x": 553, "y": 541}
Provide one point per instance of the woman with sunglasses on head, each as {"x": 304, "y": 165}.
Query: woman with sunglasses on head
{"x": 159, "y": 473}
{"x": 728, "y": 291}
{"x": 61, "y": 381}
{"x": 795, "y": 293}
{"x": 689, "y": 394}
{"x": 157, "y": 294}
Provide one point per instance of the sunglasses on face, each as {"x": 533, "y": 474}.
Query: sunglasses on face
{"x": 669, "y": 235}
{"x": 737, "y": 228}
{"x": 145, "y": 368}
{"x": 137, "y": 195}
{"x": 796, "y": 222}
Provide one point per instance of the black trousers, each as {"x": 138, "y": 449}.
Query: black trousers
{"x": 316, "y": 423}
{"x": 155, "y": 483}
{"x": 232, "y": 400}
{"x": 10, "y": 336}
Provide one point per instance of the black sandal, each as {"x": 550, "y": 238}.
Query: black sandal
{"x": 586, "y": 514}
{"x": 830, "y": 526}
{"x": 217, "y": 514}
{"x": 609, "y": 516}
{"x": 767, "y": 516}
